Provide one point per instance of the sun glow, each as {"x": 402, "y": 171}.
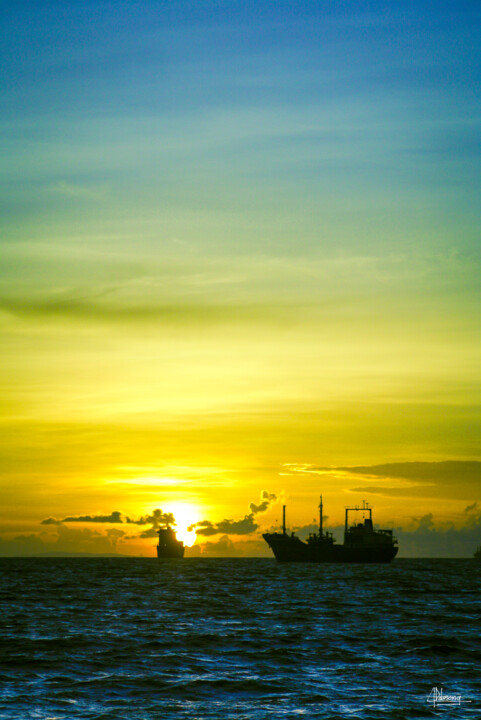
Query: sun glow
{"x": 187, "y": 537}
{"x": 185, "y": 515}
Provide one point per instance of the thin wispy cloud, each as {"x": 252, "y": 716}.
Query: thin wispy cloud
{"x": 413, "y": 479}
{"x": 85, "y": 310}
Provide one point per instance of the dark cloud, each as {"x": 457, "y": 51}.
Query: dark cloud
{"x": 267, "y": 498}
{"x": 158, "y": 519}
{"x": 114, "y": 517}
{"x": 144, "y": 520}
{"x": 206, "y": 525}
{"x": 236, "y": 527}
{"x": 51, "y": 521}
{"x": 149, "y": 533}
{"x": 471, "y": 508}
{"x": 228, "y": 527}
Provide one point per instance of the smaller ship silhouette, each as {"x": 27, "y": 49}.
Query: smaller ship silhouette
{"x": 168, "y": 546}
{"x": 477, "y": 553}
{"x": 362, "y": 543}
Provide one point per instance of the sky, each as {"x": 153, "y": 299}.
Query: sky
{"x": 239, "y": 267}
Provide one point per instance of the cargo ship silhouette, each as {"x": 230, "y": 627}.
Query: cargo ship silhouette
{"x": 168, "y": 545}
{"x": 362, "y": 543}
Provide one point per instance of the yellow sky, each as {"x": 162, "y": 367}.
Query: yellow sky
{"x": 225, "y": 265}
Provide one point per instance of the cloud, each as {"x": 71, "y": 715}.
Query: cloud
{"x": 245, "y": 526}
{"x": 114, "y": 535}
{"x": 267, "y": 499}
{"x": 66, "y": 541}
{"x": 472, "y": 507}
{"x": 114, "y": 517}
{"x": 425, "y": 540}
{"x": 150, "y": 533}
{"x": 428, "y": 541}
{"x": 84, "y": 308}
{"x": 448, "y": 479}
{"x": 23, "y": 546}
{"x": 86, "y": 540}
{"x": 81, "y": 192}
{"x": 425, "y": 522}
{"x": 51, "y": 521}
{"x": 224, "y": 547}
{"x": 158, "y": 519}
{"x": 305, "y": 530}
{"x": 228, "y": 527}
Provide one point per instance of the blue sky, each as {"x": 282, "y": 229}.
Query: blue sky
{"x": 306, "y": 115}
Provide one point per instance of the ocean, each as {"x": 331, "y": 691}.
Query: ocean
{"x": 205, "y": 639}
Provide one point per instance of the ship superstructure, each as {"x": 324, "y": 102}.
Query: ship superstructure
{"x": 168, "y": 545}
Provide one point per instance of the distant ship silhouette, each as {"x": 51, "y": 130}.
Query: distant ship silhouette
{"x": 362, "y": 544}
{"x": 168, "y": 545}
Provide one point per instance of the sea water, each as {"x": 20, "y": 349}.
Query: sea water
{"x": 238, "y": 638}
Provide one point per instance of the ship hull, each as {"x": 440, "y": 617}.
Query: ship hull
{"x": 171, "y": 553}
{"x": 289, "y": 548}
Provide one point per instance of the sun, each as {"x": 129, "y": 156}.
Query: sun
{"x": 185, "y": 515}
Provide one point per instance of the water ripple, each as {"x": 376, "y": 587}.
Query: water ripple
{"x": 244, "y": 639}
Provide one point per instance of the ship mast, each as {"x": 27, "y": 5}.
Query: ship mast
{"x": 283, "y": 519}
{"x": 320, "y": 518}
